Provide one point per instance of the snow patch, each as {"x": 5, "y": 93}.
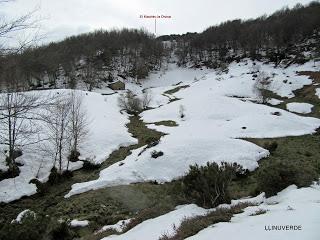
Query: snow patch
{"x": 303, "y": 108}
{"x": 22, "y": 215}
{"x": 119, "y": 226}
{"x": 77, "y": 223}
{"x": 291, "y": 207}
{"x": 152, "y": 229}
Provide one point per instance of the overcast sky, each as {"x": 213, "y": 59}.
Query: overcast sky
{"x": 61, "y": 18}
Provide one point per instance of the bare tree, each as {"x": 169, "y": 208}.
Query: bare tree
{"x": 261, "y": 86}
{"x": 146, "y": 98}
{"x": 133, "y": 104}
{"x": 57, "y": 120}
{"x": 18, "y": 111}
{"x": 78, "y": 127}
{"x": 11, "y": 28}
{"x": 89, "y": 76}
{"x": 130, "y": 103}
{"x": 67, "y": 125}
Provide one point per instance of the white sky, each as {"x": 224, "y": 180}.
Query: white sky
{"x": 63, "y": 18}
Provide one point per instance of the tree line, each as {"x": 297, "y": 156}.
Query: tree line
{"x": 94, "y": 57}
{"x": 274, "y": 37}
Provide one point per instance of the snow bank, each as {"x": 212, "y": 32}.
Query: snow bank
{"x": 291, "y": 207}
{"x": 154, "y": 228}
{"x": 77, "y": 223}
{"x": 303, "y": 108}
{"x": 119, "y": 226}
{"x": 167, "y": 223}
{"x": 107, "y": 132}
{"x": 274, "y": 101}
{"x": 22, "y": 215}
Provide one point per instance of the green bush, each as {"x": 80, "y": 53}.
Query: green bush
{"x": 87, "y": 165}
{"x": 62, "y": 232}
{"x": 30, "y": 228}
{"x": 55, "y": 177}
{"x": 277, "y": 175}
{"x": 42, "y": 188}
{"x": 208, "y": 185}
{"x": 74, "y": 156}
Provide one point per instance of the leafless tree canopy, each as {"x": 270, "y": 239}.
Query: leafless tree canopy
{"x": 9, "y": 28}
{"x": 67, "y": 126}
{"x": 18, "y": 111}
{"x": 132, "y": 103}
{"x": 261, "y": 86}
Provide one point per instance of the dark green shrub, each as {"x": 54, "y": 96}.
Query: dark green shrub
{"x": 277, "y": 175}
{"x": 208, "y": 185}
{"x": 56, "y": 177}
{"x": 42, "y": 188}
{"x": 12, "y": 172}
{"x": 62, "y": 232}
{"x": 30, "y": 228}
{"x": 156, "y": 154}
{"x": 87, "y": 165}
{"x": 74, "y": 156}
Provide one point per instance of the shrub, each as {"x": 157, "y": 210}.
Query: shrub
{"x": 208, "y": 185}
{"x": 261, "y": 86}
{"x": 156, "y": 154}
{"x": 12, "y": 172}
{"x": 277, "y": 175}
{"x": 132, "y": 103}
{"x": 42, "y": 188}
{"x": 56, "y": 177}
{"x": 30, "y": 228}
{"x": 74, "y": 156}
{"x": 88, "y": 165}
{"x": 62, "y": 232}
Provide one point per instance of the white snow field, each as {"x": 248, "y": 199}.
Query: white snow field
{"x": 291, "y": 207}
{"x": 107, "y": 132}
{"x": 303, "y": 108}
{"x": 152, "y": 229}
{"x": 218, "y": 112}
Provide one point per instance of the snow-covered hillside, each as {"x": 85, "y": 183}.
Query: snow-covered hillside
{"x": 219, "y": 110}
{"x": 214, "y": 113}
